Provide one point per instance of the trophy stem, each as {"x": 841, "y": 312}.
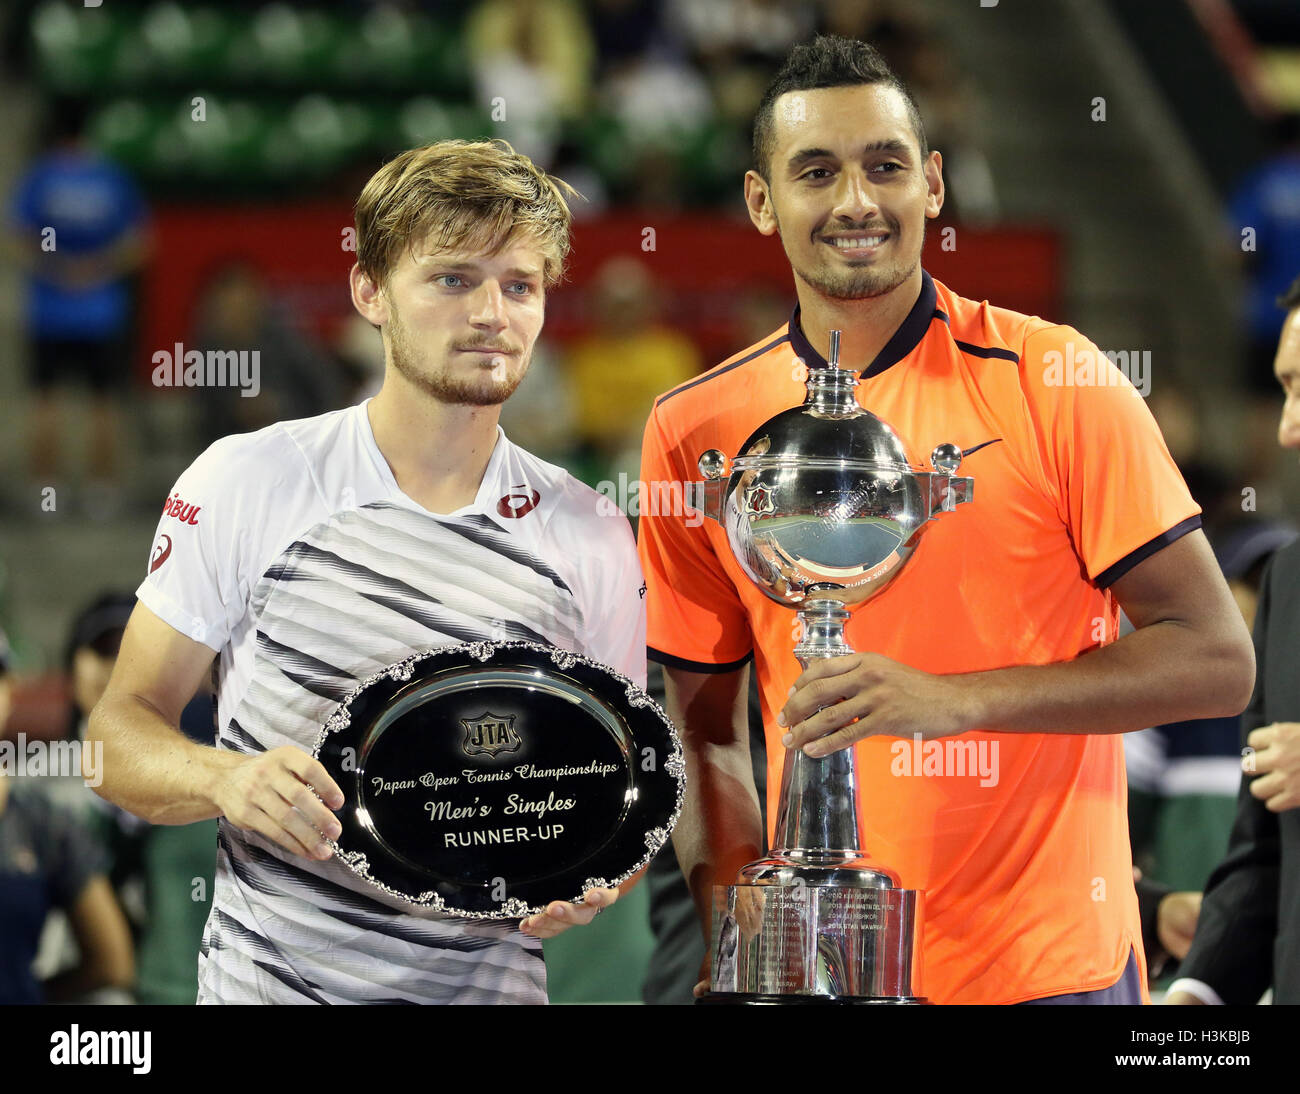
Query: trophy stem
{"x": 817, "y": 819}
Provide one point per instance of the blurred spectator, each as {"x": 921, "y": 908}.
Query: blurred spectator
{"x": 648, "y": 112}
{"x": 532, "y": 62}
{"x": 91, "y": 653}
{"x": 48, "y": 861}
{"x": 162, "y": 874}
{"x": 1266, "y": 204}
{"x": 737, "y": 45}
{"x": 1267, "y": 201}
{"x": 236, "y": 313}
{"x": 623, "y": 31}
{"x": 620, "y": 367}
{"x": 749, "y": 31}
{"x": 653, "y": 99}
{"x": 78, "y": 232}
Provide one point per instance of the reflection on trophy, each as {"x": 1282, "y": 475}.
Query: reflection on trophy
{"x": 822, "y": 510}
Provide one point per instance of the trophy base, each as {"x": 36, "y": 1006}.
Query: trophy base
{"x": 753, "y": 998}
{"x": 796, "y": 942}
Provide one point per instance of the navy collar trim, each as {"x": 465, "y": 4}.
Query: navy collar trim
{"x": 905, "y": 339}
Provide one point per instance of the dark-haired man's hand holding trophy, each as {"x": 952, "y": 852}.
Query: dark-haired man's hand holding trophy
{"x": 822, "y": 510}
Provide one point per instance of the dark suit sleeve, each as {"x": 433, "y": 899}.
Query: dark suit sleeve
{"x": 1233, "y": 948}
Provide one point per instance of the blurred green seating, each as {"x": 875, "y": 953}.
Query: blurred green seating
{"x": 315, "y": 134}
{"x": 76, "y": 49}
{"x": 284, "y": 46}
{"x": 247, "y": 140}
{"x": 186, "y": 43}
{"x": 423, "y": 119}
{"x": 393, "y": 48}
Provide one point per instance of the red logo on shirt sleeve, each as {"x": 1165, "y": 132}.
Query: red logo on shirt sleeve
{"x": 162, "y": 550}
{"x": 182, "y": 510}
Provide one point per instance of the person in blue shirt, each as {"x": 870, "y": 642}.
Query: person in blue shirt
{"x": 79, "y": 231}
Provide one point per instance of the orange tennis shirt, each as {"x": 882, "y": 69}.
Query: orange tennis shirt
{"x": 1020, "y": 842}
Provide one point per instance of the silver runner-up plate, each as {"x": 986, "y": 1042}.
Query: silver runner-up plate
{"x": 488, "y": 779}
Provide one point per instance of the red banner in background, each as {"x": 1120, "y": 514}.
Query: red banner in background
{"x": 714, "y": 274}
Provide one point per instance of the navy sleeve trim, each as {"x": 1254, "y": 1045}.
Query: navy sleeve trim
{"x": 987, "y": 351}
{"x": 669, "y": 661}
{"x": 734, "y": 364}
{"x": 1112, "y": 574}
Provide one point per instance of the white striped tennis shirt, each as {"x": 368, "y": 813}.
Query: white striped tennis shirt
{"x": 294, "y": 554}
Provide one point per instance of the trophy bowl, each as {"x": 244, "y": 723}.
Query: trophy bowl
{"x": 801, "y": 522}
{"x": 822, "y": 510}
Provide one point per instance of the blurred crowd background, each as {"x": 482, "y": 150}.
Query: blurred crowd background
{"x": 1131, "y": 169}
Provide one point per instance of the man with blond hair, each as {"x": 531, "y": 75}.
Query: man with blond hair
{"x": 312, "y": 554}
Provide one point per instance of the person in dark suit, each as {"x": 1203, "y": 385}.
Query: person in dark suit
{"x": 1248, "y": 935}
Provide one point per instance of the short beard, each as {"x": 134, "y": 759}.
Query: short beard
{"x": 480, "y": 390}
{"x": 859, "y": 284}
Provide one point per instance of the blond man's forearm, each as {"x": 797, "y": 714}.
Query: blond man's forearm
{"x": 150, "y": 768}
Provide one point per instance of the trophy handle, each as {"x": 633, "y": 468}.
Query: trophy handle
{"x": 706, "y": 497}
{"x": 946, "y": 492}
{"x": 709, "y": 497}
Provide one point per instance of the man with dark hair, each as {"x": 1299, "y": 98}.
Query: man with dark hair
{"x": 1248, "y": 934}
{"x": 828, "y": 62}
{"x": 1004, "y": 627}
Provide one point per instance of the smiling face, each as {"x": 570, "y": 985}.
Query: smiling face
{"x": 460, "y": 325}
{"x": 849, "y": 191}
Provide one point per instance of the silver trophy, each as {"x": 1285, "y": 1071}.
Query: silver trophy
{"x": 822, "y": 510}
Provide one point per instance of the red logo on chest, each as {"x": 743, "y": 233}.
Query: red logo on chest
{"x": 518, "y": 505}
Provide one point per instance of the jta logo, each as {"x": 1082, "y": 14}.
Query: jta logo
{"x": 490, "y": 734}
